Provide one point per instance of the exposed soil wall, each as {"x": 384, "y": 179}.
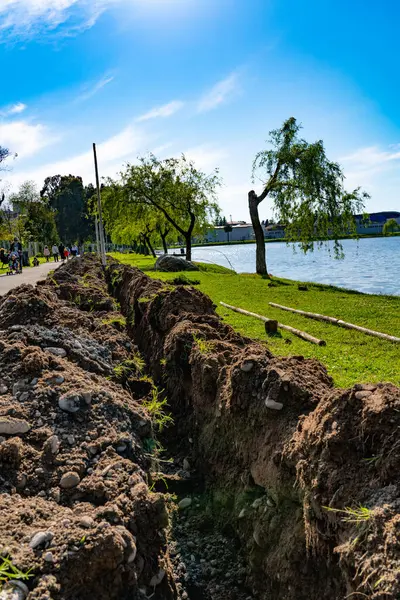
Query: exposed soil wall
{"x": 306, "y": 474}
{"x": 75, "y": 507}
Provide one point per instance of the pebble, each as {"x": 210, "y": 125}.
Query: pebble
{"x": 87, "y": 396}
{"x": 56, "y": 351}
{"x": 14, "y": 590}
{"x": 247, "y": 366}
{"x": 54, "y": 444}
{"x": 257, "y": 503}
{"x": 186, "y": 464}
{"x": 121, "y": 448}
{"x": 363, "y": 394}
{"x": 48, "y": 557}
{"x": 86, "y": 522}
{"x": 34, "y": 381}
{"x": 242, "y": 513}
{"x": 185, "y": 503}
{"x": 40, "y": 539}
{"x": 69, "y": 480}
{"x": 274, "y": 405}
{"x": 13, "y": 426}
{"x": 71, "y": 440}
{"x": 24, "y": 396}
{"x": 69, "y": 403}
{"x": 3, "y": 389}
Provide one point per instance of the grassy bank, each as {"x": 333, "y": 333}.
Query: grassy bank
{"x": 350, "y": 357}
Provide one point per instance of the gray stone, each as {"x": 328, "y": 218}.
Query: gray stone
{"x": 186, "y": 464}
{"x": 34, "y": 381}
{"x": 53, "y": 444}
{"x": 174, "y": 264}
{"x": 86, "y": 522}
{"x": 48, "y": 557}
{"x": 24, "y": 396}
{"x": 69, "y": 480}
{"x": 247, "y": 366}
{"x": 3, "y": 390}
{"x": 13, "y": 426}
{"x": 71, "y": 440}
{"x": 87, "y": 396}
{"x": 185, "y": 503}
{"x": 40, "y": 539}
{"x": 70, "y": 403}
{"x": 157, "y": 579}
{"x": 14, "y": 590}
{"x": 269, "y": 403}
{"x": 363, "y": 394}
{"x": 56, "y": 351}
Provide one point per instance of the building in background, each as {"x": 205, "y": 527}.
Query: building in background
{"x": 373, "y": 223}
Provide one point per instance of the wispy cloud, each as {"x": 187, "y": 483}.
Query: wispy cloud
{"x": 25, "y": 18}
{"x": 92, "y": 90}
{"x": 167, "y": 110}
{"x": 24, "y": 138}
{"x": 206, "y": 156}
{"x": 14, "y": 109}
{"x": 372, "y": 156}
{"x": 219, "y": 94}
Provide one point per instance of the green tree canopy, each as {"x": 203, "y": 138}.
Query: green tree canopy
{"x": 36, "y": 221}
{"x": 391, "y": 226}
{"x": 306, "y": 190}
{"x": 182, "y": 194}
{"x": 67, "y": 196}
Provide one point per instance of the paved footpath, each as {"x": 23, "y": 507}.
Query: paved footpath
{"x": 30, "y": 275}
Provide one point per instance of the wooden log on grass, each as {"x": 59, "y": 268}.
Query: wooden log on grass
{"x": 339, "y": 322}
{"x": 271, "y": 325}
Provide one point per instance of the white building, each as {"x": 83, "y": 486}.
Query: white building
{"x": 241, "y": 232}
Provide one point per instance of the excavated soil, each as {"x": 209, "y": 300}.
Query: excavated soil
{"x": 305, "y": 476}
{"x": 75, "y": 507}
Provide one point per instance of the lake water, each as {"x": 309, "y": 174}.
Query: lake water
{"x": 371, "y": 265}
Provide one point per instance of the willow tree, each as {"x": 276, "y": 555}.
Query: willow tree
{"x": 184, "y": 195}
{"x": 306, "y": 191}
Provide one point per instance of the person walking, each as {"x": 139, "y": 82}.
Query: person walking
{"x": 54, "y": 251}
{"x": 61, "y": 249}
{"x": 66, "y": 253}
{"x": 46, "y": 253}
{"x": 16, "y": 246}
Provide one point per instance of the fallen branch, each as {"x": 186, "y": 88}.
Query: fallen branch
{"x": 271, "y": 325}
{"x": 339, "y": 322}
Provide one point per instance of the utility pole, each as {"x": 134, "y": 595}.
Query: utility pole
{"x": 101, "y": 230}
{"x": 96, "y": 226}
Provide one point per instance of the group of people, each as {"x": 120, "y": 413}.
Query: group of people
{"x": 12, "y": 257}
{"x": 60, "y": 252}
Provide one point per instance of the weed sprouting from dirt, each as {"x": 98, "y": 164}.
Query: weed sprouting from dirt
{"x": 360, "y": 514}
{"x": 118, "y": 321}
{"x": 155, "y": 407}
{"x": 203, "y": 346}
{"x": 129, "y": 368}
{"x": 9, "y": 571}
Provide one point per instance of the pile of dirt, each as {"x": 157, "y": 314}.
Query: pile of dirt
{"x": 75, "y": 507}
{"x": 305, "y": 474}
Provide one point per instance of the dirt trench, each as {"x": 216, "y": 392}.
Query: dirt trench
{"x": 302, "y": 477}
{"x": 77, "y": 516}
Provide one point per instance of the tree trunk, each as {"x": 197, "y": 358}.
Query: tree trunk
{"x": 261, "y": 263}
{"x": 164, "y": 243}
{"x": 148, "y": 242}
{"x": 188, "y": 239}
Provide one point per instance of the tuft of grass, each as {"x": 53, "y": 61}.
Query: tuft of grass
{"x": 360, "y": 514}
{"x": 129, "y": 368}
{"x": 9, "y": 571}
{"x": 203, "y": 346}
{"x": 118, "y": 320}
{"x": 350, "y": 356}
{"x": 155, "y": 407}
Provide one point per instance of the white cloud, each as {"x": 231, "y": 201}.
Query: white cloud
{"x": 14, "y": 109}
{"x": 206, "y": 156}
{"x": 111, "y": 154}
{"x": 371, "y": 156}
{"x": 219, "y": 94}
{"x": 91, "y": 91}
{"x": 24, "y": 18}
{"x": 167, "y": 110}
{"x": 24, "y": 138}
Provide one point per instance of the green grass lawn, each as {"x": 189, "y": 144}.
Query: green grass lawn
{"x": 350, "y": 357}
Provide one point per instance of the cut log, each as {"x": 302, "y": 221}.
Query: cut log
{"x": 270, "y": 323}
{"x": 339, "y": 322}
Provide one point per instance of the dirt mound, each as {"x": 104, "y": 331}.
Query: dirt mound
{"x": 75, "y": 507}
{"x": 306, "y": 475}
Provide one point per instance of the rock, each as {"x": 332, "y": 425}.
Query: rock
{"x": 70, "y": 403}
{"x": 174, "y": 263}
{"x": 69, "y": 480}
{"x": 157, "y": 579}
{"x": 3, "y": 390}
{"x": 14, "y": 590}
{"x": 247, "y": 366}
{"x": 86, "y": 522}
{"x": 34, "y": 381}
{"x": 13, "y": 426}
{"x": 186, "y": 464}
{"x": 40, "y": 539}
{"x": 272, "y": 404}
{"x": 87, "y": 396}
{"x": 24, "y": 396}
{"x": 53, "y": 444}
{"x": 242, "y": 513}
{"x": 185, "y": 503}
{"x": 363, "y": 394}
{"x": 56, "y": 351}
{"x": 48, "y": 557}
{"x": 270, "y": 503}
{"x": 257, "y": 502}
{"x": 71, "y": 440}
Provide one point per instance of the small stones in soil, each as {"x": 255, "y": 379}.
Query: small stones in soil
{"x": 185, "y": 503}
{"x": 247, "y": 366}
{"x": 56, "y": 351}
{"x": 69, "y": 480}
{"x": 13, "y": 426}
{"x": 40, "y": 539}
{"x": 70, "y": 403}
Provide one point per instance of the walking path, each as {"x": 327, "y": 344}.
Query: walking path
{"x": 30, "y": 275}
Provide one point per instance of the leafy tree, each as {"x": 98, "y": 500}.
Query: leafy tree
{"x": 4, "y": 154}
{"x": 69, "y": 199}
{"x": 184, "y": 195}
{"x": 391, "y": 226}
{"x": 36, "y": 220}
{"x": 306, "y": 190}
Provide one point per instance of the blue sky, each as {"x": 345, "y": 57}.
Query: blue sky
{"x": 209, "y": 78}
